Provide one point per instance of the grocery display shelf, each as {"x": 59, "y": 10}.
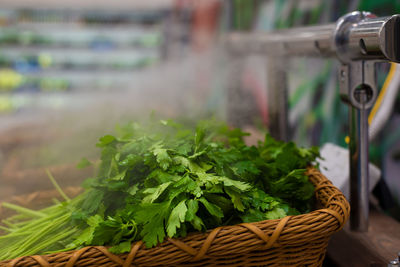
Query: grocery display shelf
{"x": 77, "y": 35}
{"x": 77, "y": 80}
{"x": 116, "y": 4}
{"x": 31, "y": 59}
{"x": 45, "y": 48}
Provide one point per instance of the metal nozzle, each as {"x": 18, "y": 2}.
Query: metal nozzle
{"x": 363, "y": 36}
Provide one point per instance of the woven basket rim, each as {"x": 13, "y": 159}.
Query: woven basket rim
{"x": 214, "y": 243}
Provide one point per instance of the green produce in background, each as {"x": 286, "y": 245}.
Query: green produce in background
{"x": 162, "y": 179}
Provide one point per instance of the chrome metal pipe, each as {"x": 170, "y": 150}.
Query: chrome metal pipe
{"x": 363, "y": 36}
{"x": 367, "y": 38}
{"x": 277, "y": 99}
{"x": 358, "y": 90}
{"x": 357, "y": 44}
{"x": 305, "y": 41}
{"x": 359, "y": 176}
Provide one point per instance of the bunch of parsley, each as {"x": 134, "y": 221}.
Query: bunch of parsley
{"x": 162, "y": 179}
{"x": 165, "y": 179}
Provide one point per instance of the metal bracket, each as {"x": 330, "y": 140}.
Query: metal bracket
{"x": 358, "y": 89}
{"x": 356, "y": 76}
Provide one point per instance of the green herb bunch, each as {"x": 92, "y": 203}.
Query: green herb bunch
{"x": 163, "y": 179}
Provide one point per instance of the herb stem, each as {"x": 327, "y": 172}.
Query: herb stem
{"x": 53, "y": 181}
{"x": 23, "y": 210}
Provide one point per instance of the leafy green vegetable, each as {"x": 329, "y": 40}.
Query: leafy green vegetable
{"x": 163, "y": 179}
{"x": 176, "y": 217}
{"x": 83, "y": 163}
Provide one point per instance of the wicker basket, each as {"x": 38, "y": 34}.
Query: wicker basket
{"x": 299, "y": 240}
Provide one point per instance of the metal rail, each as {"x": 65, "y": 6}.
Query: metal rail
{"x": 369, "y": 38}
{"x": 358, "y": 40}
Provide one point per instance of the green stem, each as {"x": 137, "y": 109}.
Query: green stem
{"x": 53, "y": 181}
{"x": 13, "y": 234}
{"x": 21, "y": 224}
{"x": 7, "y": 223}
{"x": 56, "y": 201}
{"x": 39, "y": 247}
{"x": 38, "y": 223}
{"x": 18, "y": 217}
{"x": 23, "y": 210}
{"x": 40, "y": 235}
{"x": 5, "y": 229}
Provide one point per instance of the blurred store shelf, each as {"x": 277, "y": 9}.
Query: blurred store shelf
{"x": 67, "y": 48}
{"x": 88, "y": 4}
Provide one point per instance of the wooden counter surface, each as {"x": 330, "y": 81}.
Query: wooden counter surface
{"x": 375, "y": 248}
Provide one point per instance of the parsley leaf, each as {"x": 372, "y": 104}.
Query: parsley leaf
{"x": 162, "y": 178}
